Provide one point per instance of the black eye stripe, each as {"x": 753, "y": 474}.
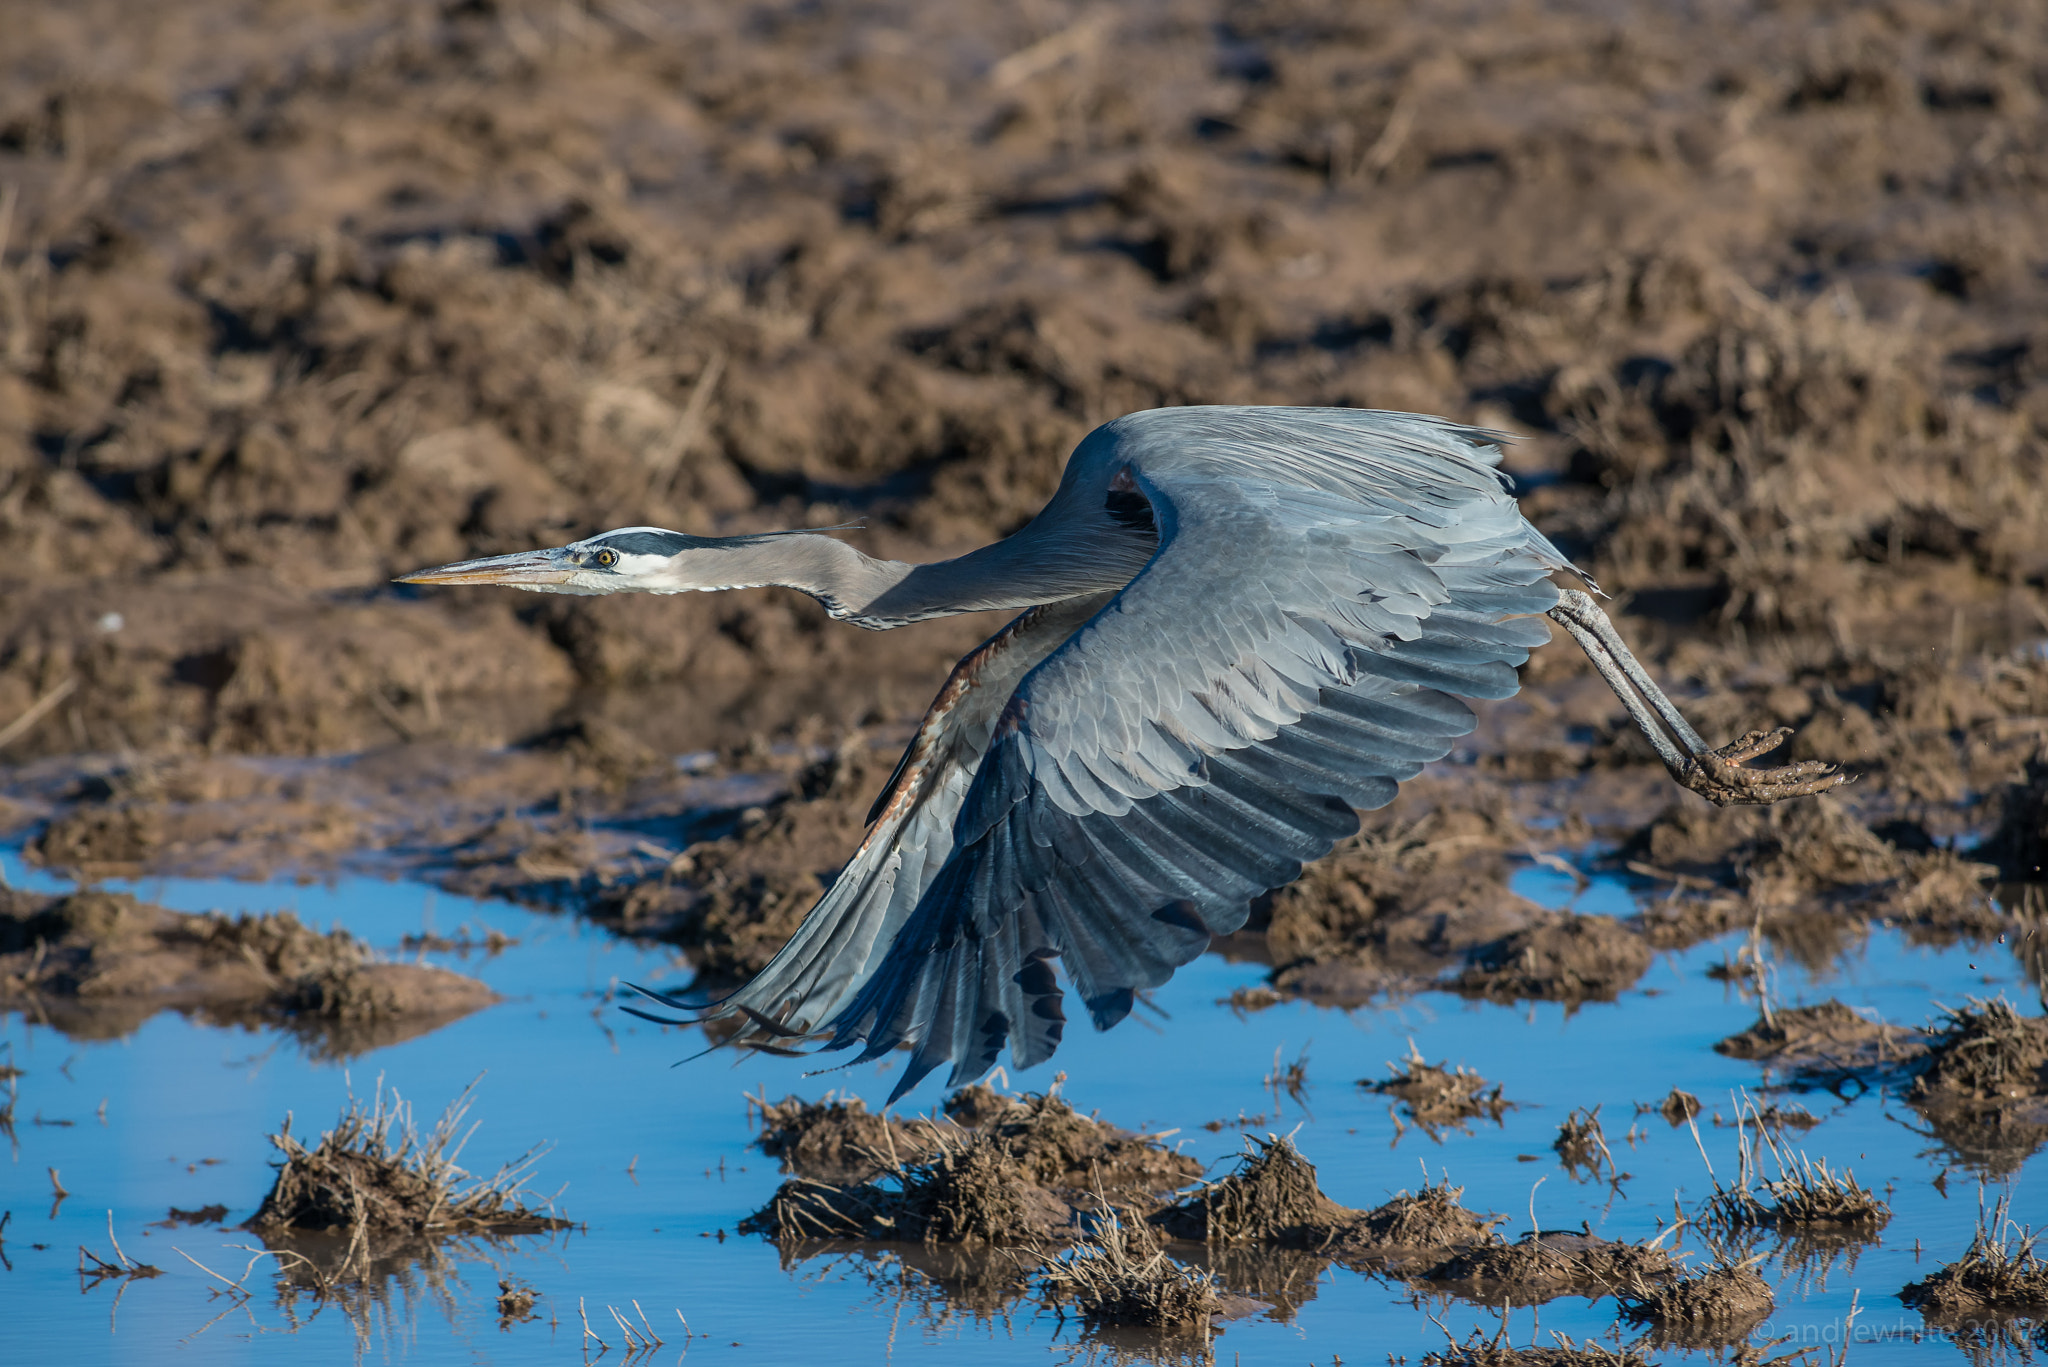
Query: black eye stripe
{"x": 652, "y": 543}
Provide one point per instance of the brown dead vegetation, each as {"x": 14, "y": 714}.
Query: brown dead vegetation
{"x": 1828, "y": 1039}
{"x": 1272, "y": 1200}
{"x": 1807, "y": 1199}
{"x": 1477, "y": 1350}
{"x": 1120, "y": 1275}
{"x": 1545, "y": 1264}
{"x": 374, "y": 1178}
{"x": 1712, "y": 1308}
{"x": 1984, "y": 1090}
{"x": 837, "y": 1140}
{"x": 2000, "y": 1274}
{"x": 1435, "y": 1096}
{"x": 1004, "y": 1170}
{"x": 1986, "y": 1051}
{"x": 98, "y": 964}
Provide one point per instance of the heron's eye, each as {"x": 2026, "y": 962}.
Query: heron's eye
{"x": 606, "y": 559}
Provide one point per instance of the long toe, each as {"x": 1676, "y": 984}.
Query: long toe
{"x": 1720, "y": 776}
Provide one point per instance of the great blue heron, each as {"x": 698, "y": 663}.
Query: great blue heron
{"x": 1239, "y": 625}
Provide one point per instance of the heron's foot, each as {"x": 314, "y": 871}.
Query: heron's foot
{"x": 1720, "y": 777}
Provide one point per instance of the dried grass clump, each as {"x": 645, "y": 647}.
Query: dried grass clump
{"x": 1055, "y": 1145}
{"x": 968, "y": 1189}
{"x": 373, "y": 1176}
{"x": 1122, "y": 1276}
{"x": 1985, "y": 1051}
{"x": 1541, "y": 1265}
{"x": 1476, "y": 1350}
{"x": 837, "y": 1139}
{"x": 1807, "y": 1195}
{"x": 1430, "y": 1218}
{"x": 1272, "y": 1198}
{"x": 1717, "y": 1306}
{"x": 1436, "y": 1095}
{"x": 2000, "y": 1272}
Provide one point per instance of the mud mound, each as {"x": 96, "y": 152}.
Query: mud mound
{"x": 968, "y": 1190}
{"x": 1807, "y": 1197}
{"x": 1414, "y": 1227}
{"x": 1056, "y": 1146}
{"x": 838, "y": 1140}
{"x": 1560, "y": 958}
{"x": 1984, "y": 1091}
{"x": 2020, "y": 840}
{"x": 1828, "y": 1039}
{"x": 98, "y": 964}
{"x": 1122, "y": 1276}
{"x": 1541, "y": 1266}
{"x": 1985, "y": 1051}
{"x": 373, "y": 1177}
{"x": 1479, "y": 1351}
{"x": 1435, "y": 1096}
{"x": 1019, "y": 1173}
{"x": 1708, "y": 1309}
{"x": 2000, "y": 1275}
{"x": 1272, "y": 1198}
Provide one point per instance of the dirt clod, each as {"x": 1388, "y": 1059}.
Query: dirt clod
{"x": 1436, "y": 1096}
{"x": 1706, "y": 1309}
{"x": 1560, "y": 958}
{"x": 375, "y": 1177}
{"x": 1986, "y": 1051}
{"x": 1678, "y": 1107}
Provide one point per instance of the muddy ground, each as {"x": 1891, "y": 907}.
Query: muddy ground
{"x": 296, "y": 295}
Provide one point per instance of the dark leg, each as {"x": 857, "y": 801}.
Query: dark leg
{"x": 1716, "y": 775}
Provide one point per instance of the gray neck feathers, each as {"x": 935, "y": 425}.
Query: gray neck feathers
{"x": 1039, "y": 564}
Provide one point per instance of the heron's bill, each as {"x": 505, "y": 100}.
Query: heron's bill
{"x": 519, "y": 570}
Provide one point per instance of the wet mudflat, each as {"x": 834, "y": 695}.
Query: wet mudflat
{"x": 653, "y": 1164}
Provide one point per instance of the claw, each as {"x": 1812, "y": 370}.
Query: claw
{"x": 1718, "y": 775}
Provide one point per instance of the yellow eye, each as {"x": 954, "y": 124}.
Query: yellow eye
{"x": 606, "y": 559}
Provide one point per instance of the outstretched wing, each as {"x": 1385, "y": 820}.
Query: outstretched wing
{"x": 1326, "y": 582}
{"x": 910, "y": 835}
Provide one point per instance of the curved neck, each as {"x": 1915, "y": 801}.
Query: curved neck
{"x": 1034, "y": 566}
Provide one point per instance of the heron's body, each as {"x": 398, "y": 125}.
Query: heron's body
{"x": 1241, "y": 625}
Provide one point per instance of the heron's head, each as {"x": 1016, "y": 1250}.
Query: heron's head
{"x": 629, "y": 560}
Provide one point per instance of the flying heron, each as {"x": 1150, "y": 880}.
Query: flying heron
{"x": 1239, "y": 626}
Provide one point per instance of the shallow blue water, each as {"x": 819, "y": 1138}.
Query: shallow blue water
{"x": 653, "y": 1159}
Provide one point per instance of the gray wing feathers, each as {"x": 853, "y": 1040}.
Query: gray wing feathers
{"x": 1291, "y": 654}
{"x": 1327, "y": 584}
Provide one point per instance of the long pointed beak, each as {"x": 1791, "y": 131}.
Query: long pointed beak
{"x": 522, "y": 569}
